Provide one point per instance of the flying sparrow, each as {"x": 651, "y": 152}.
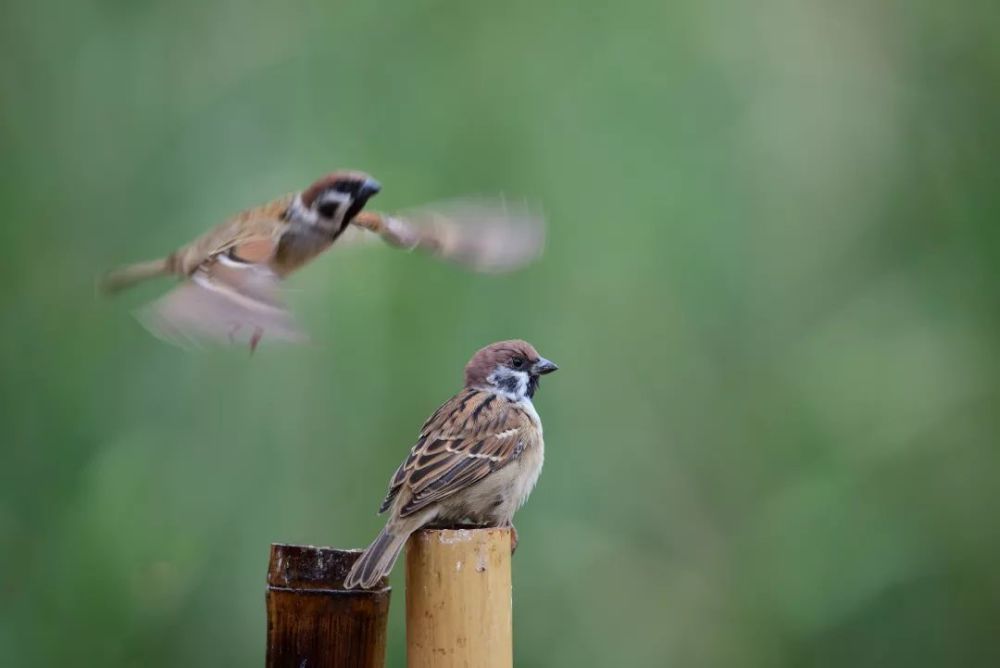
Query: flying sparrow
{"x": 231, "y": 274}
{"x": 475, "y": 462}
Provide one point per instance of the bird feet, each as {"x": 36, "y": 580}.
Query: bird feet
{"x": 513, "y": 535}
{"x": 504, "y": 525}
{"x": 258, "y": 334}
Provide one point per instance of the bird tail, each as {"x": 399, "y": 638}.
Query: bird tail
{"x": 127, "y": 276}
{"x": 377, "y": 560}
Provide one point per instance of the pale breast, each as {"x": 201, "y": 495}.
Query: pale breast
{"x": 529, "y": 465}
{"x": 524, "y": 480}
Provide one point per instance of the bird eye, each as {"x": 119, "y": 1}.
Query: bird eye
{"x": 517, "y": 362}
{"x": 328, "y": 209}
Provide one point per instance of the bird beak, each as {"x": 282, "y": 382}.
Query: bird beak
{"x": 543, "y": 366}
{"x": 369, "y": 188}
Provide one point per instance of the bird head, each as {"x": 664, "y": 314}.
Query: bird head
{"x": 337, "y": 198}
{"x": 511, "y": 368}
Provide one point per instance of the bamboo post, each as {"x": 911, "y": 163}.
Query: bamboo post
{"x": 458, "y": 599}
{"x": 312, "y": 620}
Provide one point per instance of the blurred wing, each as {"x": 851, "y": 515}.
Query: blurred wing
{"x": 468, "y": 438}
{"x": 225, "y": 300}
{"x": 358, "y": 234}
{"x": 487, "y": 236}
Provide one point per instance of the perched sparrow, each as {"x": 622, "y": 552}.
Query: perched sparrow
{"x": 475, "y": 462}
{"x": 231, "y": 274}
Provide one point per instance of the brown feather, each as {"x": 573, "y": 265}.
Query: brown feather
{"x": 455, "y": 450}
{"x": 260, "y": 225}
{"x": 126, "y": 277}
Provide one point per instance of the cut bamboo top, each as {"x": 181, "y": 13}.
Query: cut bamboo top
{"x": 310, "y": 567}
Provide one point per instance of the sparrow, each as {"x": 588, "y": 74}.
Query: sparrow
{"x": 475, "y": 462}
{"x": 230, "y": 276}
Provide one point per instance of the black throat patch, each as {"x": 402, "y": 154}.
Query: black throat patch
{"x": 353, "y": 210}
{"x": 508, "y": 384}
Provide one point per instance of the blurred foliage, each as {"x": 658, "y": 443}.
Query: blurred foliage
{"x": 771, "y": 285}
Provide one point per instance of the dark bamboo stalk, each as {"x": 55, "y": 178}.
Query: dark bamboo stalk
{"x": 312, "y": 620}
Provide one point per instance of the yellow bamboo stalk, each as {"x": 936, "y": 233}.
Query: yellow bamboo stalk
{"x": 458, "y": 599}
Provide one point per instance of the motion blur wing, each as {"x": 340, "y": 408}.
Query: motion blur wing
{"x": 224, "y": 301}
{"x": 490, "y": 236}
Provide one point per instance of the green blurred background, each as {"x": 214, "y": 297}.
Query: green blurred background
{"x": 771, "y": 284}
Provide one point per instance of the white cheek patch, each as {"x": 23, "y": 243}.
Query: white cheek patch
{"x": 299, "y": 212}
{"x": 343, "y": 202}
{"x": 510, "y": 383}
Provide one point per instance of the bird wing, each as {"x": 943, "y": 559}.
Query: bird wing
{"x": 233, "y": 294}
{"x": 251, "y": 236}
{"x": 224, "y": 301}
{"x": 473, "y": 434}
{"x": 485, "y": 235}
